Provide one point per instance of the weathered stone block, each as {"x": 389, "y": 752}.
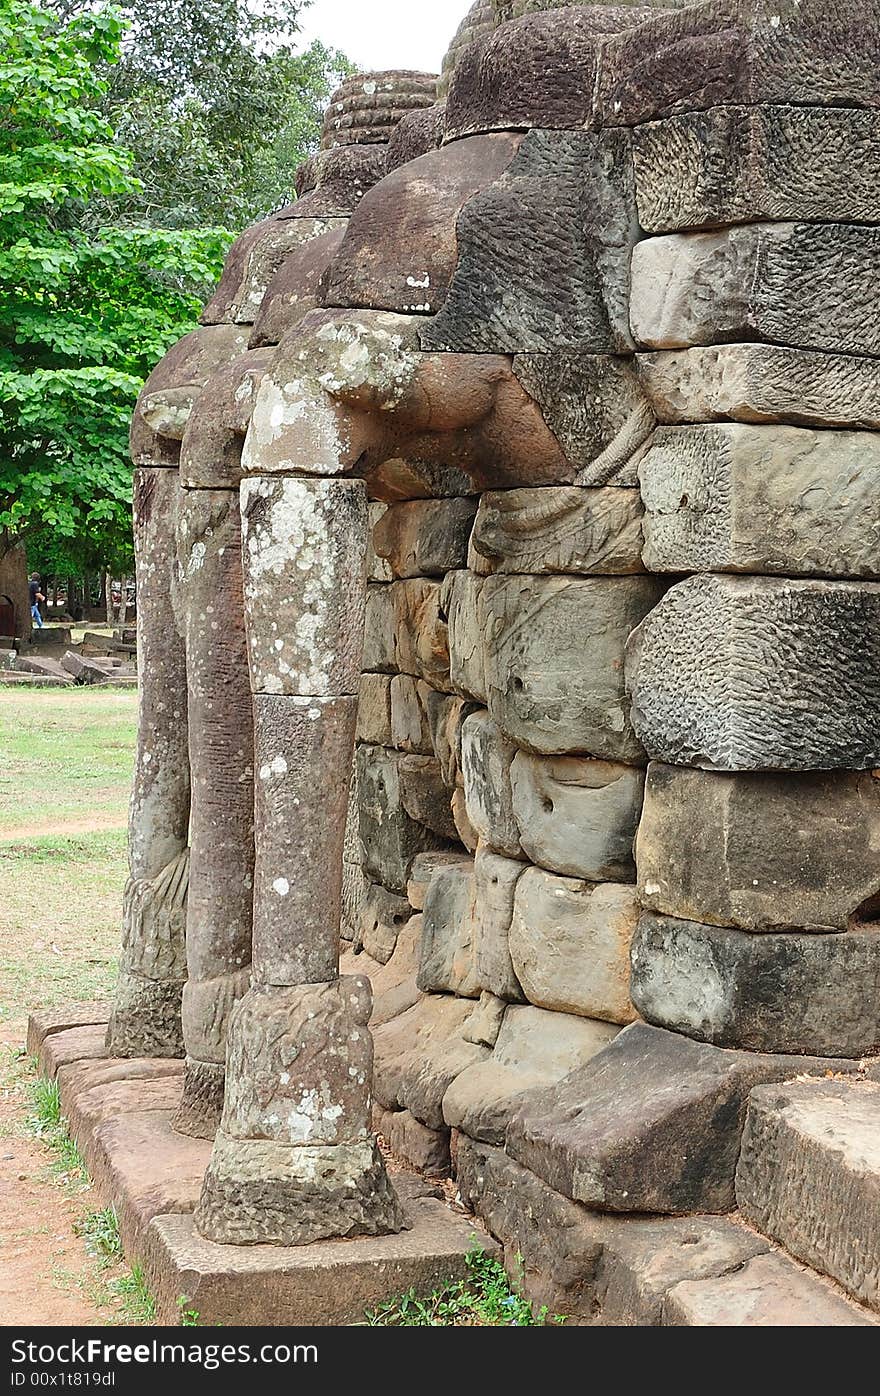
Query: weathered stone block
{"x": 533, "y": 1049}
{"x": 535, "y": 71}
{"x": 419, "y": 1054}
{"x": 416, "y": 133}
{"x": 378, "y": 569}
{"x": 382, "y": 918}
{"x": 486, "y": 757}
{"x": 495, "y": 881}
{"x": 570, "y": 943}
{"x": 167, "y": 398}
{"x": 425, "y": 796}
{"x": 762, "y": 383}
{"x": 484, "y": 1024}
{"x": 413, "y": 1143}
{"x": 759, "y": 281}
{"x": 460, "y": 604}
{"x": 303, "y": 762}
{"x": 389, "y": 836}
{"x": 298, "y": 1063}
{"x": 808, "y": 1176}
{"x": 400, "y": 249}
{"x": 810, "y": 52}
{"x": 743, "y": 673}
{"x": 768, "y": 993}
{"x": 425, "y": 537}
{"x": 424, "y": 867}
{"x": 762, "y": 852}
{"x": 448, "y": 960}
{"x": 294, "y": 289}
{"x": 410, "y": 725}
{"x": 576, "y": 816}
{"x": 596, "y": 407}
{"x": 379, "y": 652}
{"x": 421, "y": 640}
{"x": 769, "y": 1291}
{"x": 652, "y": 1124}
{"x": 562, "y": 529}
{"x": 554, "y": 660}
{"x": 303, "y": 550}
{"x": 738, "y": 498}
{"x": 374, "y": 709}
{"x": 571, "y": 289}
{"x": 252, "y": 263}
{"x": 737, "y": 164}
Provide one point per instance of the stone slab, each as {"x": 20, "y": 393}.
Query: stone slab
{"x": 328, "y": 1282}
{"x": 653, "y": 1123}
{"x": 769, "y": 1291}
{"x": 809, "y": 1176}
{"x": 578, "y": 817}
{"x": 77, "y": 1044}
{"x": 566, "y": 528}
{"x": 42, "y": 1022}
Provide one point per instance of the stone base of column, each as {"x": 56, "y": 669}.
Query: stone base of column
{"x": 259, "y": 1192}
{"x": 201, "y": 1104}
{"x": 145, "y": 1021}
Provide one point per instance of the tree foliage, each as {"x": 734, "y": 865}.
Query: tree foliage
{"x": 84, "y": 312}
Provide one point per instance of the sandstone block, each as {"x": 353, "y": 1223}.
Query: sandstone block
{"x": 414, "y": 1144}
{"x": 769, "y": 1291}
{"x": 768, "y": 993}
{"x": 421, "y": 639}
{"x": 383, "y": 916}
{"x": 389, "y": 836}
{"x": 410, "y": 724}
{"x": 484, "y": 1024}
{"x": 808, "y": 1176}
{"x": 378, "y": 569}
{"x": 303, "y": 762}
{"x": 425, "y": 537}
{"x": 425, "y": 796}
{"x": 554, "y": 660}
{"x": 571, "y": 289}
{"x": 419, "y": 1054}
{"x": 379, "y": 653}
{"x": 653, "y": 1123}
{"x": 400, "y": 249}
{"x": 303, "y": 550}
{"x": 374, "y": 709}
{"x": 416, "y": 133}
{"x": 394, "y": 984}
{"x": 562, "y": 529}
{"x": 815, "y": 54}
{"x": 533, "y": 1049}
{"x": 425, "y": 866}
{"x": 761, "y": 852}
{"x": 576, "y": 816}
{"x": 596, "y": 407}
{"x": 252, "y": 263}
{"x": 486, "y": 758}
{"x": 460, "y": 604}
{"x": 759, "y": 281}
{"x": 737, "y": 164}
{"x": 167, "y": 398}
{"x": 742, "y": 673}
{"x": 367, "y": 106}
{"x": 448, "y": 960}
{"x": 495, "y": 882}
{"x": 762, "y": 383}
{"x": 298, "y": 1064}
{"x": 294, "y": 289}
{"x": 739, "y": 498}
{"x": 570, "y": 944}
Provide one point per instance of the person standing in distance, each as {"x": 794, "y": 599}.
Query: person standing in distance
{"x": 36, "y": 597}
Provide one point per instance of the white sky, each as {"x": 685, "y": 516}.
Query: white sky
{"x": 386, "y": 33}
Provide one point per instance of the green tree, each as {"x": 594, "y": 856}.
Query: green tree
{"x": 216, "y": 105}
{"x": 85, "y": 310}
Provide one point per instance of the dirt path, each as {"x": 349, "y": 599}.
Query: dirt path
{"x": 69, "y": 828}
{"x": 46, "y": 1274}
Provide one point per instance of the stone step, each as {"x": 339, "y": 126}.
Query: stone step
{"x": 48, "y": 668}
{"x": 51, "y": 635}
{"x": 16, "y": 679}
{"x": 809, "y": 1176}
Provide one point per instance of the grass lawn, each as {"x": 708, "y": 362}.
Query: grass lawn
{"x": 66, "y": 759}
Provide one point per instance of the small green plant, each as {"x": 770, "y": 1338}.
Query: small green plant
{"x": 100, "y": 1231}
{"x": 48, "y": 1125}
{"x": 138, "y": 1305}
{"x": 189, "y": 1318}
{"x": 484, "y": 1299}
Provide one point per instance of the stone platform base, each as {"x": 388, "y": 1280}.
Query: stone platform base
{"x": 119, "y": 1112}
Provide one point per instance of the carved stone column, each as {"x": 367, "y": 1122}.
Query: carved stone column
{"x": 146, "y": 1015}
{"x": 294, "y": 1159}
